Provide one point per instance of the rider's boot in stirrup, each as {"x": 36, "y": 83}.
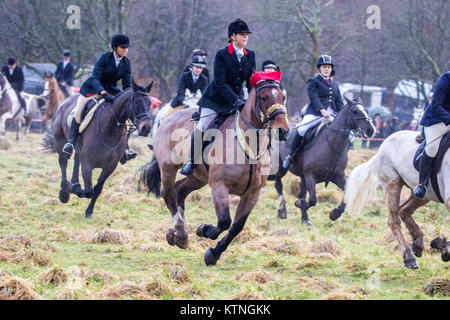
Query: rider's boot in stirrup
{"x": 296, "y": 144}
{"x": 72, "y": 139}
{"x": 426, "y": 164}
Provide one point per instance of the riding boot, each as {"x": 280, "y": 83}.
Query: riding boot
{"x": 129, "y": 155}
{"x": 426, "y": 164}
{"x": 23, "y": 105}
{"x": 296, "y": 145}
{"x": 72, "y": 139}
{"x": 188, "y": 168}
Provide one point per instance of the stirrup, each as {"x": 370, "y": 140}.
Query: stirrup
{"x": 287, "y": 162}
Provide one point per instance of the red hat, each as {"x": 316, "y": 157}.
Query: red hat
{"x": 262, "y": 76}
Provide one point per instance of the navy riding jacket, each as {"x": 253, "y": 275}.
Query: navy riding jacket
{"x": 322, "y": 95}
{"x": 187, "y": 82}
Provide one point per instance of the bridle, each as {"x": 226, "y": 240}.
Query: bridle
{"x": 354, "y": 120}
{"x": 135, "y": 119}
{"x": 265, "y": 117}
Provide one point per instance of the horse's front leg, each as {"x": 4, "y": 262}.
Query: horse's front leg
{"x": 64, "y": 193}
{"x": 282, "y": 211}
{"x": 76, "y": 186}
{"x": 307, "y": 185}
{"x": 98, "y": 189}
{"x": 339, "y": 180}
{"x": 220, "y": 195}
{"x": 245, "y": 206}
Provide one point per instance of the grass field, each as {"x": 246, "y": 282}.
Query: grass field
{"x": 48, "y": 250}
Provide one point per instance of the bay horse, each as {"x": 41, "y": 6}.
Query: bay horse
{"x": 103, "y": 143}
{"x": 324, "y": 160}
{"x": 10, "y": 107}
{"x": 243, "y": 172}
{"x": 54, "y": 96}
{"x": 392, "y": 168}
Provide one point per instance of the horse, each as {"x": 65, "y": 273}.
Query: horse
{"x": 103, "y": 143}
{"x": 392, "y": 168}
{"x": 190, "y": 101}
{"x": 243, "y": 173}
{"x": 54, "y": 96}
{"x": 322, "y": 160}
{"x": 10, "y": 107}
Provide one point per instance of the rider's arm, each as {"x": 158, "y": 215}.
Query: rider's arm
{"x": 313, "y": 94}
{"x": 97, "y": 73}
{"x": 338, "y": 100}
{"x": 251, "y": 57}
{"x": 439, "y": 105}
{"x": 126, "y": 80}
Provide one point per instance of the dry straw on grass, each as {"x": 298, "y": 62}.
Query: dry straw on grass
{"x": 327, "y": 246}
{"x": 258, "y": 276}
{"x": 13, "y": 288}
{"x": 111, "y": 236}
{"x": 340, "y": 295}
{"x": 127, "y": 289}
{"x": 437, "y": 286}
{"x": 54, "y": 275}
{"x": 4, "y": 143}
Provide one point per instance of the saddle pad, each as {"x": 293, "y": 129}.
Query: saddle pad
{"x": 90, "y": 108}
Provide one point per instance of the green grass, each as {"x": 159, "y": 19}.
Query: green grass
{"x": 354, "y": 257}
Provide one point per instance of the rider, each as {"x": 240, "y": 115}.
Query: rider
{"x": 64, "y": 72}
{"x": 193, "y": 80}
{"x": 15, "y": 77}
{"x": 201, "y": 53}
{"x": 270, "y": 66}
{"x": 109, "y": 68}
{"x": 436, "y": 123}
{"x": 232, "y": 66}
{"x": 325, "y": 101}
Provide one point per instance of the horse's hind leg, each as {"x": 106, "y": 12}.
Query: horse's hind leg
{"x": 393, "y": 190}
{"x": 178, "y": 234}
{"x": 308, "y": 184}
{"x": 97, "y": 190}
{"x": 76, "y": 187}
{"x": 245, "y": 206}
{"x": 340, "y": 182}
{"x": 406, "y": 211}
{"x": 64, "y": 193}
{"x": 282, "y": 212}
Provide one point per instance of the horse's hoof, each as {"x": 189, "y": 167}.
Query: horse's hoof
{"x": 203, "y": 229}
{"x": 210, "y": 259}
{"x": 282, "y": 213}
{"x": 64, "y": 196}
{"x": 77, "y": 190}
{"x": 298, "y": 203}
{"x": 335, "y": 214}
{"x": 417, "y": 250}
{"x": 445, "y": 256}
{"x": 182, "y": 242}
{"x": 307, "y": 223}
{"x": 411, "y": 264}
{"x": 170, "y": 236}
{"x": 88, "y": 214}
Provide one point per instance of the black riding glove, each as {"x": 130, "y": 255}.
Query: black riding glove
{"x": 109, "y": 98}
{"x": 239, "y": 104}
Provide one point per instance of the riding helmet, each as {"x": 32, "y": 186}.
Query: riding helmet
{"x": 238, "y": 26}
{"x": 199, "y": 52}
{"x": 11, "y": 61}
{"x": 198, "y": 61}
{"x": 269, "y": 64}
{"x": 120, "y": 40}
{"x": 325, "y": 59}
{"x": 66, "y": 53}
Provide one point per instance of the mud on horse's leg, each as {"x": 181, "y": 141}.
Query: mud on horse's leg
{"x": 406, "y": 211}
{"x": 245, "y": 206}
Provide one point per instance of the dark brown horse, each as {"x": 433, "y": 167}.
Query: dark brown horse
{"x": 231, "y": 170}
{"x": 325, "y": 161}
{"x": 102, "y": 143}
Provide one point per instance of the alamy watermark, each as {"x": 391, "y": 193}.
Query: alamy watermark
{"x": 73, "y": 21}
{"x": 374, "y": 19}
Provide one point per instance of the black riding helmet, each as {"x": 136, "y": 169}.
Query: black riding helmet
{"x": 120, "y": 40}
{"x": 199, "y": 52}
{"x": 198, "y": 61}
{"x": 66, "y": 53}
{"x": 237, "y": 26}
{"x": 325, "y": 59}
{"x": 11, "y": 61}
{"x": 269, "y": 64}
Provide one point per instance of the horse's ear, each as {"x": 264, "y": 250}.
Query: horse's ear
{"x": 149, "y": 87}
{"x": 349, "y": 102}
{"x": 359, "y": 100}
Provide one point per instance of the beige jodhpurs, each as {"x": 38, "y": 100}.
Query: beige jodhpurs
{"x": 81, "y": 102}
{"x": 433, "y": 136}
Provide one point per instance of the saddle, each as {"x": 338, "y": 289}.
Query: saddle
{"x": 437, "y": 163}
{"x": 310, "y": 136}
{"x": 88, "y": 113}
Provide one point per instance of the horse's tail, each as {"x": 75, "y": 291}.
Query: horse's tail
{"x": 361, "y": 186}
{"x": 150, "y": 178}
{"x": 49, "y": 141}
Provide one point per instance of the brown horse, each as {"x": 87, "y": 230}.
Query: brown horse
{"x": 54, "y": 96}
{"x": 103, "y": 143}
{"x": 325, "y": 161}
{"x": 243, "y": 172}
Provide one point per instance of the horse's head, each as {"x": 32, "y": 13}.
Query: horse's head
{"x": 270, "y": 107}
{"x": 2, "y": 81}
{"x": 191, "y": 98}
{"x": 357, "y": 118}
{"x": 49, "y": 84}
{"x": 138, "y": 111}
